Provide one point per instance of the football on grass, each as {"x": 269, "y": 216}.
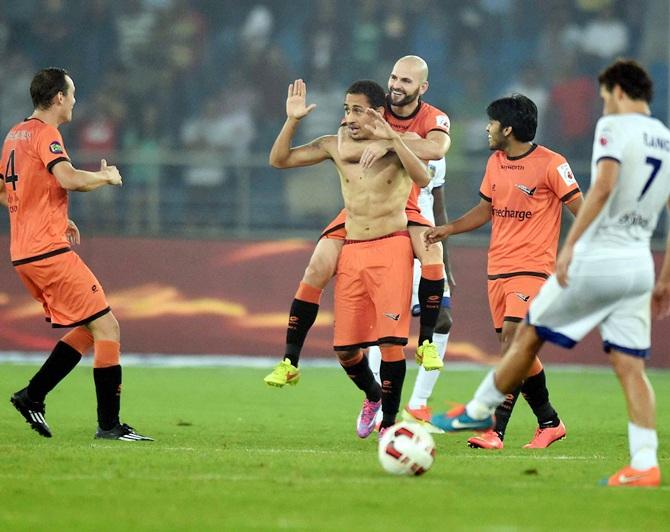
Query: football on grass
{"x": 406, "y": 449}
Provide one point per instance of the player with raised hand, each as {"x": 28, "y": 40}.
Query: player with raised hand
{"x": 374, "y": 270}
{"x": 604, "y": 273}
{"x": 405, "y": 111}
{"x": 37, "y": 177}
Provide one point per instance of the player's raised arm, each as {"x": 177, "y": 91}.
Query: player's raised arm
{"x": 417, "y": 170}
{"x": 70, "y": 178}
{"x": 282, "y": 155}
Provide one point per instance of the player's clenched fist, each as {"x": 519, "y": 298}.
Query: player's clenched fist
{"x": 295, "y": 101}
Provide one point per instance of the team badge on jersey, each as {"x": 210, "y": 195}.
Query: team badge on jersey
{"x": 56, "y": 147}
{"x": 442, "y": 121}
{"x": 566, "y": 173}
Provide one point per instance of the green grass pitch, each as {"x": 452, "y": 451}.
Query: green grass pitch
{"x": 233, "y": 454}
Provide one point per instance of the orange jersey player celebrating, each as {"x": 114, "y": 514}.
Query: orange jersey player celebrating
{"x": 524, "y": 188}
{"x": 406, "y": 113}
{"x": 374, "y": 277}
{"x": 37, "y": 177}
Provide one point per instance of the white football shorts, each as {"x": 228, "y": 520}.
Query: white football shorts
{"x": 613, "y": 294}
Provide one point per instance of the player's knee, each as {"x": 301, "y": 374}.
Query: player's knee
{"x": 318, "y": 273}
{"x": 349, "y": 358}
{"x": 106, "y": 328}
{"x": 444, "y": 322}
{"x": 626, "y": 365}
{"x": 432, "y": 255}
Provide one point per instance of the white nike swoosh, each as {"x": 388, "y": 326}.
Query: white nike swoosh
{"x": 623, "y": 479}
{"x": 459, "y": 425}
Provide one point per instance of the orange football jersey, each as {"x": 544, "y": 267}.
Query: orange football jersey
{"x": 526, "y": 195}
{"x": 422, "y": 121}
{"x": 37, "y": 203}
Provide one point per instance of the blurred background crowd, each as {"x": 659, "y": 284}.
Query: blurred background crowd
{"x": 186, "y": 96}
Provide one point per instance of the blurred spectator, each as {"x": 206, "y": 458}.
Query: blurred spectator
{"x": 573, "y": 109}
{"x": 99, "y": 135}
{"x": 268, "y": 75}
{"x": 604, "y": 38}
{"x": 395, "y": 24}
{"x": 366, "y": 39}
{"x": 97, "y": 31}
{"x": 145, "y": 144}
{"x": 184, "y": 29}
{"x": 52, "y": 42}
{"x": 221, "y": 133}
{"x": 430, "y": 39}
{"x": 257, "y": 30}
{"x": 323, "y": 40}
{"x": 15, "y": 103}
{"x": 558, "y": 42}
{"x": 134, "y": 25}
{"x": 530, "y": 84}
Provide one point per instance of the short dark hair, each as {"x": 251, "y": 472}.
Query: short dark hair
{"x": 371, "y": 89}
{"x": 631, "y": 77}
{"x": 518, "y": 112}
{"x": 46, "y": 84}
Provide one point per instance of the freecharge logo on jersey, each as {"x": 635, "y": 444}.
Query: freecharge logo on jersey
{"x": 56, "y": 147}
{"x": 565, "y": 172}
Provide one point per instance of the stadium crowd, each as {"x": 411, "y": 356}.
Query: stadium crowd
{"x": 161, "y": 78}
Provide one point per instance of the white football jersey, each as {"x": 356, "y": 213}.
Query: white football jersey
{"x": 641, "y": 144}
{"x": 437, "y": 171}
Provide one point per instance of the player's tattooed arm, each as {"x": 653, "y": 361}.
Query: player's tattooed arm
{"x": 283, "y": 155}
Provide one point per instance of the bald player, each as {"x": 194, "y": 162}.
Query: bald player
{"x": 406, "y": 112}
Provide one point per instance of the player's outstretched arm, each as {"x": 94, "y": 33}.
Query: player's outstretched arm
{"x": 660, "y": 297}
{"x": 474, "y": 218}
{"x": 71, "y": 178}
{"x": 282, "y": 155}
{"x": 596, "y": 197}
{"x": 417, "y": 170}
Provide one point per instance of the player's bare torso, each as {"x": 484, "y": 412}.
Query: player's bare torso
{"x": 374, "y": 197}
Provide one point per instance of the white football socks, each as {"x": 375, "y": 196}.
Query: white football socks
{"x": 375, "y": 361}
{"x": 643, "y": 444}
{"x": 426, "y": 380}
{"x": 486, "y": 399}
